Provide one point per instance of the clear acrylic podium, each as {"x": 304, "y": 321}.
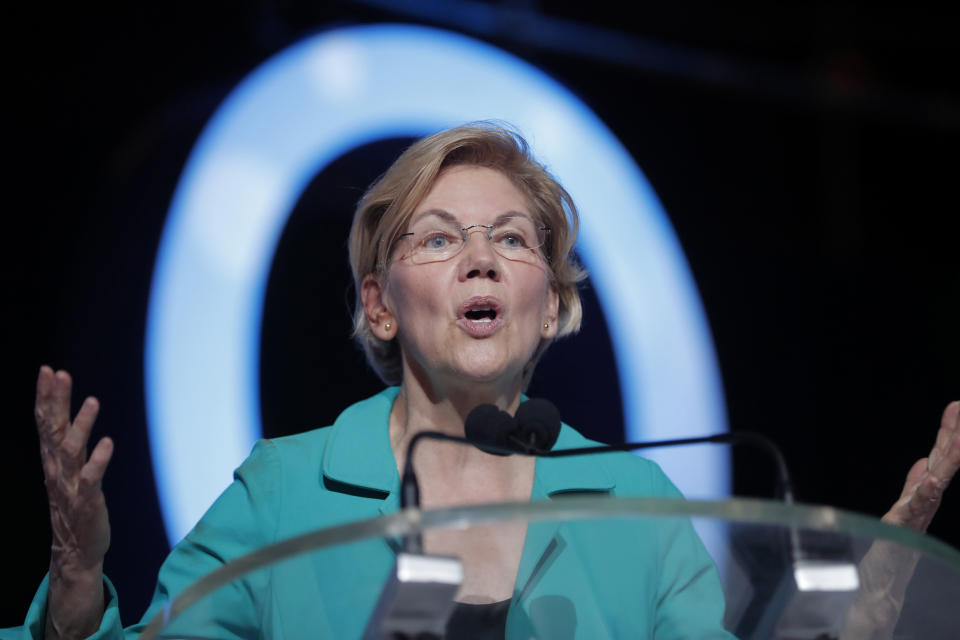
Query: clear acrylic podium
{"x": 605, "y": 567}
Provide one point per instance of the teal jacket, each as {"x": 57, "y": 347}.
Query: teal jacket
{"x": 616, "y": 579}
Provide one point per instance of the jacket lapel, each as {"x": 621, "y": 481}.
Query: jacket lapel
{"x": 553, "y": 595}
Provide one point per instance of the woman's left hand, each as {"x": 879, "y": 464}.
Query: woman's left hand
{"x": 929, "y": 477}
{"x": 887, "y": 567}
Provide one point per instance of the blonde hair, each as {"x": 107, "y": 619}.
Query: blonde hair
{"x": 387, "y": 206}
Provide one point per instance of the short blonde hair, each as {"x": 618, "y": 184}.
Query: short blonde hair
{"x": 386, "y": 208}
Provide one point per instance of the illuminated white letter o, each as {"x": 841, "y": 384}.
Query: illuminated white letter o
{"x": 323, "y": 97}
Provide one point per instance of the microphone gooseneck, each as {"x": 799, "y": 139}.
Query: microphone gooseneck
{"x": 534, "y": 432}
{"x": 734, "y": 437}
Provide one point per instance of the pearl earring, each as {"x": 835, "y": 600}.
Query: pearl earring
{"x": 387, "y": 326}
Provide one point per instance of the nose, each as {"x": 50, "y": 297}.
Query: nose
{"x": 478, "y": 259}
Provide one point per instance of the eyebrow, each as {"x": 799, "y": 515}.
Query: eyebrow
{"x": 449, "y": 217}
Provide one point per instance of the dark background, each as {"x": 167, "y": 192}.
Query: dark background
{"x": 804, "y": 153}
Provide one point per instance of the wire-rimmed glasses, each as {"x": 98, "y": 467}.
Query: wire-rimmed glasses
{"x": 436, "y": 237}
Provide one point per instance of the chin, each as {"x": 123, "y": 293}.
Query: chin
{"x": 483, "y": 374}
{"x": 488, "y": 368}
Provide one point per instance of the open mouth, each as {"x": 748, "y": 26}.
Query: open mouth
{"x": 479, "y": 314}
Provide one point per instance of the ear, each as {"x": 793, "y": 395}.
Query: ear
{"x": 551, "y": 311}
{"x": 382, "y": 322}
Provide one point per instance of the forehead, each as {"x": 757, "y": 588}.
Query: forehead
{"x": 473, "y": 194}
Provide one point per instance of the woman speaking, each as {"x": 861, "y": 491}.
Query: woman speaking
{"x": 461, "y": 257}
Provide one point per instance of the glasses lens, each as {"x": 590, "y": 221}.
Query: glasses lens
{"x": 516, "y": 234}
{"x": 433, "y": 240}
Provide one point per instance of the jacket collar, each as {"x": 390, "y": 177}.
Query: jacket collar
{"x": 358, "y": 452}
{"x": 358, "y": 455}
{"x": 556, "y": 476}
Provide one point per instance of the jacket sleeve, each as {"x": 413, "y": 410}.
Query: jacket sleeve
{"x": 241, "y": 520}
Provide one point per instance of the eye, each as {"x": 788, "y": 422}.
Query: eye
{"x": 513, "y": 241}
{"x": 510, "y": 239}
{"x": 437, "y": 241}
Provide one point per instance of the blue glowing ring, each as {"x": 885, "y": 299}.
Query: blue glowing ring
{"x": 323, "y": 97}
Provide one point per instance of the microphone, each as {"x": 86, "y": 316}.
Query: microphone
{"x": 538, "y": 425}
{"x": 535, "y": 428}
{"x": 491, "y": 430}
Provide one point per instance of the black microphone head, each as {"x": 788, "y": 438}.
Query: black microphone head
{"x": 487, "y": 424}
{"x": 538, "y": 421}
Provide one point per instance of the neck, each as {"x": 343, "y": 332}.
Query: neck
{"x": 421, "y": 407}
{"x": 442, "y": 402}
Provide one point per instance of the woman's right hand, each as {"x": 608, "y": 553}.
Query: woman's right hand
{"x": 78, "y": 510}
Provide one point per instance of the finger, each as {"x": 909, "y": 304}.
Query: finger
{"x": 918, "y": 513}
{"x": 75, "y": 441}
{"x": 945, "y": 456}
{"x": 44, "y": 400}
{"x": 903, "y": 511}
{"x": 91, "y": 476}
{"x": 928, "y": 492}
{"x": 59, "y": 408}
{"x": 920, "y": 500}
{"x": 49, "y": 438}
{"x": 914, "y": 477}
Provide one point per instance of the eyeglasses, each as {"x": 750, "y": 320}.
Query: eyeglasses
{"x": 435, "y": 239}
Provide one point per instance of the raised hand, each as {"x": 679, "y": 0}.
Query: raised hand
{"x": 887, "y": 568}
{"x": 930, "y": 476}
{"x": 78, "y": 510}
